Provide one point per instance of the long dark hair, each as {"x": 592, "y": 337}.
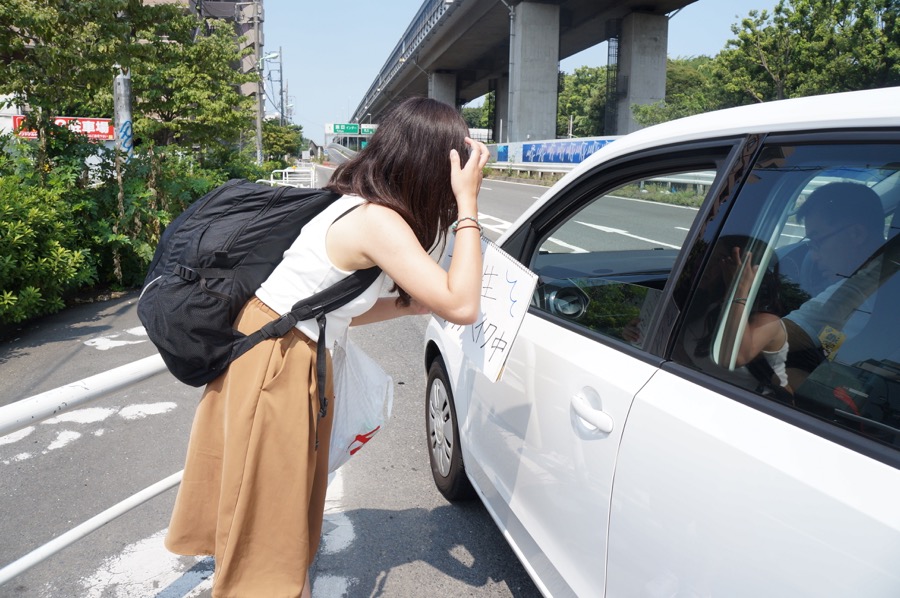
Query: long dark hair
{"x": 406, "y": 167}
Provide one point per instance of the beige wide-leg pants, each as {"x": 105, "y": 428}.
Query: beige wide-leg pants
{"x": 253, "y": 492}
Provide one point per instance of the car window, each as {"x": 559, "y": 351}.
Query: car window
{"x": 604, "y": 266}
{"x": 797, "y": 301}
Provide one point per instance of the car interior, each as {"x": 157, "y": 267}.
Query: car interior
{"x": 854, "y": 382}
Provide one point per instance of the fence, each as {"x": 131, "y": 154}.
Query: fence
{"x": 296, "y": 176}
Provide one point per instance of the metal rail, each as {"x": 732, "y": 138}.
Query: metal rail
{"x": 26, "y": 412}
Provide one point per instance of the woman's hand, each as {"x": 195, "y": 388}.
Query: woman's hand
{"x": 733, "y": 267}
{"x": 466, "y": 180}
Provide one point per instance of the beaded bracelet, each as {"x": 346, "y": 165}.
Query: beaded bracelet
{"x": 454, "y": 226}
{"x": 741, "y": 300}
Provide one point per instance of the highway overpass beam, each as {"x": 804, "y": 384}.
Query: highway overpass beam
{"x": 442, "y": 87}
{"x": 501, "y": 109}
{"x": 641, "y": 65}
{"x": 533, "y": 71}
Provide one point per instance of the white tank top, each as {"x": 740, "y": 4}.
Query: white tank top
{"x": 306, "y": 270}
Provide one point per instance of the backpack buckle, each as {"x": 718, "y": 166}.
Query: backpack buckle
{"x": 185, "y": 273}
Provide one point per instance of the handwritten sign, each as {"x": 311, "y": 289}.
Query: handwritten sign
{"x": 506, "y": 290}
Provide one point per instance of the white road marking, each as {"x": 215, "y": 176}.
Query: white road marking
{"x": 62, "y": 439}
{"x": 330, "y": 586}
{"x": 142, "y": 411}
{"x": 572, "y": 248}
{"x": 146, "y": 568}
{"x": 90, "y": 415}
{"x": 16, "y": 436}
{"x": 337, "y": 535}
{"x": 625, "y": 233}
{"x": 655, "y": 203}
{"x": 486, "y": 221}
{"x": 105, "y": 343}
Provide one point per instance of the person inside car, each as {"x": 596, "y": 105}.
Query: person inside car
{"x": 844, "y": 226}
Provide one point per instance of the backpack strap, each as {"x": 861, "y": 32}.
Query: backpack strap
{"x": 313, "y": 307}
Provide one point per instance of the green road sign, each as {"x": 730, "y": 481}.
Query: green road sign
{"x": 367, "y": 129}
{"x": 346, "y": 129}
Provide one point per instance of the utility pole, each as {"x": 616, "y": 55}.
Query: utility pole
{"x": 260, "y": 90}
{"x": 124, "y": 149}
{"x": 122, "y": 111}
{"x": 281, "y": 86}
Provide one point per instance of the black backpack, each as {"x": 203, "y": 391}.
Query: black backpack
{"x": 209, "y": 262}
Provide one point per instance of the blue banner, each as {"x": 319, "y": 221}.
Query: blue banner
{"x": 560, "y": 151}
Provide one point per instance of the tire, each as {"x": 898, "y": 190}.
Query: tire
{"x": 442, "y": 432}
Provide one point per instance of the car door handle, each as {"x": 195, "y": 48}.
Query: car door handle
{"x": 595, "y": 417}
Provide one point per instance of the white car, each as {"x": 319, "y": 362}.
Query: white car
{"x": 630, "y": 448}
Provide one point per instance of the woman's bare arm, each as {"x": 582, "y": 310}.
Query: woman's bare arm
{"x": 377, "y": 235}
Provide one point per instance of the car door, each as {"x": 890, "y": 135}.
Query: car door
{"x": 543, "y": 441}
{"x": 735, "y": 480}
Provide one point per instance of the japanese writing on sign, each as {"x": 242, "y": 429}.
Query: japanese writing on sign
{"x": 96, "y": 129}
{"x": 506, "y": 290}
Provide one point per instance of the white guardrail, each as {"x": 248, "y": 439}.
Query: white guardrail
{"x": 295, "y": 176}
{"x": 702, "y": 179}
{"x": 26, "y": 412}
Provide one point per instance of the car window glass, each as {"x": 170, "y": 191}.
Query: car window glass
{"x": 798, "y": 299}
{"x": 605, "y": 266}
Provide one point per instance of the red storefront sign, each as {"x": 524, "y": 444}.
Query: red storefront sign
{"x": 96, "y": 129}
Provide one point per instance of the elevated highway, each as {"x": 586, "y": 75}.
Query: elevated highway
{"x": 459, "y": 50}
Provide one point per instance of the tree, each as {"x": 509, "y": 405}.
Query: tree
{"x": 808, "y": 47}
{"x": 473, "y": 116}
{"x": 280, "y": 141}
{"x": 582, "y": 99}
{"x": 186, "y": 90}
{"x": 851, "y": 44}
{"x": 56, "y": 55}
{"x": 689, "y": 90}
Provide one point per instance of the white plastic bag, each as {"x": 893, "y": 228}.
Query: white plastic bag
{"x": 364, "y": 395}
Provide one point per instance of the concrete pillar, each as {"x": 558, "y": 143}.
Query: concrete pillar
{"x": 642, "y": 65}
{"x": 501, "y": 110}
{"x": 533, "y": 71}
{"x": 442, "y": 87}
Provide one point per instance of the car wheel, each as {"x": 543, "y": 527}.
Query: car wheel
{"x": 444, "y": 451}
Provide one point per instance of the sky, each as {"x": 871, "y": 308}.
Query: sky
{"x": 331, "y": 50}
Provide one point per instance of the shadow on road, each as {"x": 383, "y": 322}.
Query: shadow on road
{"x": 460, "y": 541}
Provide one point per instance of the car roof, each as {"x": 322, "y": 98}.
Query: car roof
{"x": 849, "y": 110}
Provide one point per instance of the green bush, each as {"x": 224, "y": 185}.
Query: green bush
{"x": 40, "y": 259}
{"x": 68, "y": 228}
{"x": 122, "y": 226}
